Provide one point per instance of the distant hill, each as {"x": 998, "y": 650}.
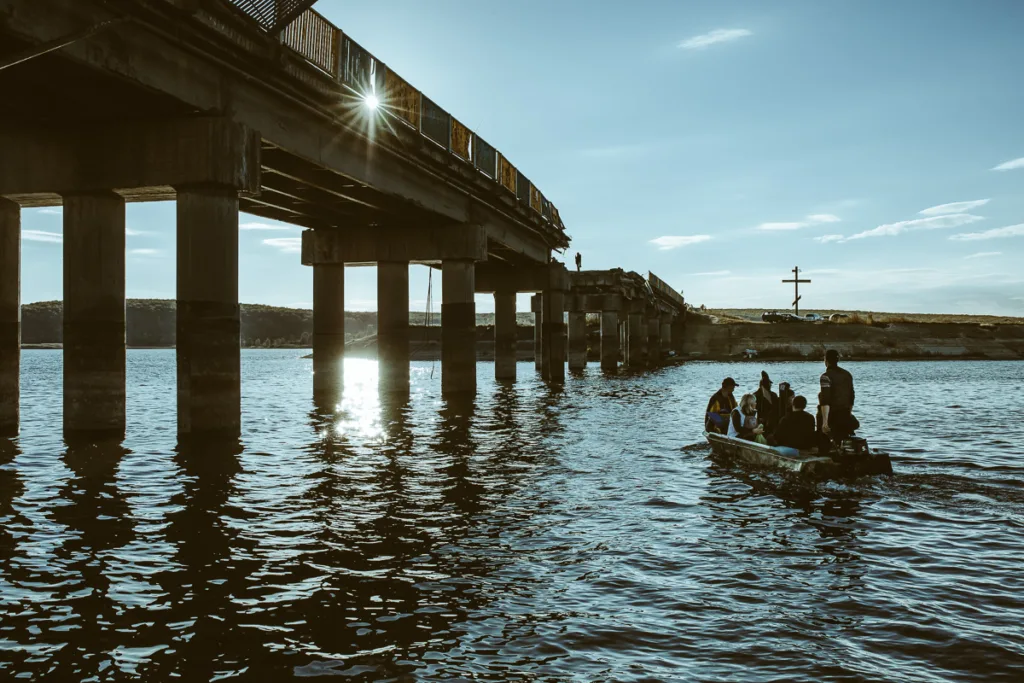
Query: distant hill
{"x": 151, "y": 322}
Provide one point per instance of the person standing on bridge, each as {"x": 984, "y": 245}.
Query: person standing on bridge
{"x": 579, "y": 262}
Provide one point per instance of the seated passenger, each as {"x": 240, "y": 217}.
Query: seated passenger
{"x": 768, "y": 406}
{"x": 786, "y": 396}
{"x": 743, "y": 421}
{"x": 721, "y": 405}
{"x": 797, "y": 429}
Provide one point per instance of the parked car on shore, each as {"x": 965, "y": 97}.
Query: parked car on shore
{"x": 813, "y": 318}
{"x": 836, "y": 317}
{"x": 780, "y": 317}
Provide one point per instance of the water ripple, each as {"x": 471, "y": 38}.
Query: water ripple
{"x": 533, "y": 534}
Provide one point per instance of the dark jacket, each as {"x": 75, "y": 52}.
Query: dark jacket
{"x": 837, "y": 389}
{"x": 768, "y": 412}
{"x": 716, "y": 416}
{"x": 796, "y": 430}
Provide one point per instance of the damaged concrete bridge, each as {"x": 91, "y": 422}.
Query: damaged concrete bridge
{"x": 264, "y": 106}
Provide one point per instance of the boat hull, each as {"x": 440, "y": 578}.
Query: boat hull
{"x": 804, "y": 463}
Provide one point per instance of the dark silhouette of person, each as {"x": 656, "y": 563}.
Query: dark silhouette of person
{"x": 579, "y": 262}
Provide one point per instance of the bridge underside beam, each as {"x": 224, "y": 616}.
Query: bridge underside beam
{"x": 367, "y": 246}
{"x": 144, "y": 158}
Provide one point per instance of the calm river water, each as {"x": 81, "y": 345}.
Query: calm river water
{"x": 581, "y": 534}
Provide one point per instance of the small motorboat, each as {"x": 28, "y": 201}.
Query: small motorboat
{"x": 853, "y": 459}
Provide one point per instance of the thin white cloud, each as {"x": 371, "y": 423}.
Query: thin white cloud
{"x": 813, "y": 219}
{"x": 782, "y": 226}
{"x": 825, "y": 239}
{"x": 42, "y": 236}
{"x": 145, "y": 252}
{"x": 713, "y": 273}
{"x": 288, "y": 245}
{"x": 984, "y": 254}
{"x": 954, "y": 207}
{"x": 995, "y": 233}
{"x": 666, "y": 242}
{"x": 52, "y": 211}
{"x": 1010, "y": 165}
{"x": 719, "y": 35}
{"x": 954, "y": 220}
{"x": 131, "y": 232}
{"x": 264, "y": 226}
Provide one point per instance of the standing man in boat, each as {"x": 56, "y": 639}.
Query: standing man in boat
{"x": 720, "y": 407}
{"x": 836, "y": 400}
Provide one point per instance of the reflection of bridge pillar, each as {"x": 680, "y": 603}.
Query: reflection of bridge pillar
{"x": 577, "y": 340}
{"x": 505, "y": 335}
{"x": 208, "y": 352}
{"x": 328, "y": 329}
{"x": 654, "y": 340}
{"x": 537, "y": 306}
{"x": 10, "y": 315}
{"x": 458, "y": 326}
{"x": 94, "y": 319}
{"x": 393, "y": 325}
{"x": 609, "y": 340}
{"x": 636, "y": 340}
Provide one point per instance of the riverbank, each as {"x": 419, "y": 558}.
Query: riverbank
{"x": 880, "y": 341}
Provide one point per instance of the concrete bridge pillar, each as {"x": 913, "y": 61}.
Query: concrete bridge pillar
{"x": 10, "y": 315}
{"x": 393, "y": 325}
{"x": 458, "y": 326}
{"x": 208, "y": 352}
{"x": 538, "y": 333}
{"x": 678, "y": 332}
{"x": 94, "y": 318}
{"x": 505, "y": 335}
{"x": 577, "y": 340}
{"x": 636, "y": 340}
{"x": 609, "y": 340}
{"x": 654, "y": 340}
{"x": 666, "y": 332}
{"x": 553, "y": 328}
{"x": 328, "y": 330}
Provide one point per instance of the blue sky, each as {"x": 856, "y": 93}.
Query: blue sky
{"x": 877, "y": 145}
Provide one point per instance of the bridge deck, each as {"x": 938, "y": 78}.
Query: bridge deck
{"x": 327, "y": 160}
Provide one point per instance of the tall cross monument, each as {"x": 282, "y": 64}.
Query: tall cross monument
{"x": 796, "y": 288}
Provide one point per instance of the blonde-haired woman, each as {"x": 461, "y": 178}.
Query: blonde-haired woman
{"x": 743, "y": 421}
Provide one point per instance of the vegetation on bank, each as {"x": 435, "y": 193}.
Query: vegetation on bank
{"x": 151, "y": 322}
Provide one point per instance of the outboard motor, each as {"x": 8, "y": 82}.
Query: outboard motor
{"x": 855, "y": 445}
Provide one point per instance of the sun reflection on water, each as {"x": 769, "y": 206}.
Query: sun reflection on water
{"x": 358, "y": 412}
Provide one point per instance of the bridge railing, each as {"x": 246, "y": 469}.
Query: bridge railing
{"x": 664, "y": 290}
{"x": 326, "y": 47}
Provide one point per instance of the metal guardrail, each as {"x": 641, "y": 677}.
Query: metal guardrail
{"x": 273, "y": 15}
{"x": 313, "y": 37}
{"x": 326, "y": 47}
{"x": 660, "y": 287}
